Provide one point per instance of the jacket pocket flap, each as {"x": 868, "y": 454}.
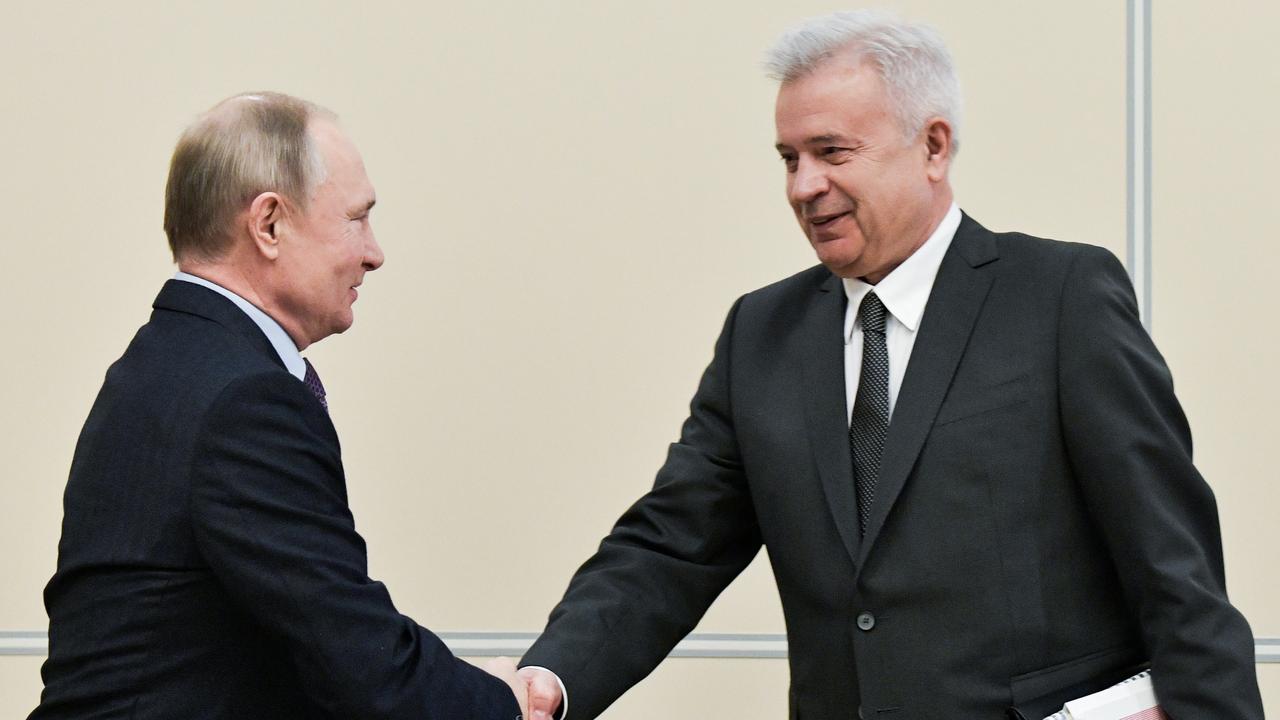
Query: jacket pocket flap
{"x": 958, "y": 406}
{"x": 1049, "y": 688}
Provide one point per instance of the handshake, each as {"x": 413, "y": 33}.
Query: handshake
{"x": 537, "y": 690}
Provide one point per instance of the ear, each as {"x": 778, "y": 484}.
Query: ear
{"x": 937, "y": 138}
{"x": 265, "y": 220}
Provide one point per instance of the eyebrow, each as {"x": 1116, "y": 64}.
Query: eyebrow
{"x": 355, "y": 212}
{"x": 816, "y": 140}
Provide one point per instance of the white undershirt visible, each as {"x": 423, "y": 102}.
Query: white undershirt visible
{"x": 279, "y": 339}
{"x": 904, "y": 292}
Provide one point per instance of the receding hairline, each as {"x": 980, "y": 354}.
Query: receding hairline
{"x": 233, "y": 111}
{"x": 246, "y": 144}
{"x": 231, "y": 106}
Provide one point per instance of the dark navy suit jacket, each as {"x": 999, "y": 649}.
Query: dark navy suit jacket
{"x": 209, "y": 566}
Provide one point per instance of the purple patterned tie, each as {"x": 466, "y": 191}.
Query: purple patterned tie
{"x": 312, "y": 381}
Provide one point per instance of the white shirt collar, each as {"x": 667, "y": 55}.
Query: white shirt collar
{"x": 905, "y": 290}
{"x": 279, "y": 339}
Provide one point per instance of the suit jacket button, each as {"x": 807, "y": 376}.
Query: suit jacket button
{"x": 866, "y": 621}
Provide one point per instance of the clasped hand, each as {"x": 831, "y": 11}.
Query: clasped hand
{"x": 537, "y": 690}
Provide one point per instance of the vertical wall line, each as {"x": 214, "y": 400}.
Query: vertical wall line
{"x": 1138, "y": 163}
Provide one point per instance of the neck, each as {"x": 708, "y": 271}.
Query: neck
{"x": 246, "y": 284}
{"x": 938, "y": 208}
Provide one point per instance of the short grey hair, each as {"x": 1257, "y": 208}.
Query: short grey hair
{"x": 245, "y": 145}
{"x": 911, "y": 58}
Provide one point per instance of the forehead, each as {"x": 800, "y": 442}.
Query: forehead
{"x": 838, "y": 96}
{"x": 344, "y": 167}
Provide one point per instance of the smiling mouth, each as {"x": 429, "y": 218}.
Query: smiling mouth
{"x": 824, "y": 220}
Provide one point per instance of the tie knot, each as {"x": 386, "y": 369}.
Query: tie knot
{"x": 872, "y": 313}
{"x": 312, "y": 380}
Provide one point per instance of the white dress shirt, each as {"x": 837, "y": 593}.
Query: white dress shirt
{"x": 279, "y": 339}
{"x": 904, "y": 292}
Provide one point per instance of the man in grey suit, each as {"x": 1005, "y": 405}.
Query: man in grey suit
{"x": 960, "y": 448}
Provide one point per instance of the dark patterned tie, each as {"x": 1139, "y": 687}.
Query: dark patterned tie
{"x": 312, "y": 381}
{"x": 870, "y": 419}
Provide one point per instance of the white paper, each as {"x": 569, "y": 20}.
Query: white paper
{"x": 1133, "y": 699}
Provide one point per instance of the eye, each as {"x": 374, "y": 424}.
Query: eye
{"x": 789, "y": 160}
{"x": 834, "y": 154}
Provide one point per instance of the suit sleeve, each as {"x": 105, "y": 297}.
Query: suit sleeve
{"x": 1130, "y": 447}
{"x": 665, "y": 561}
{"x": 270, "y": 513}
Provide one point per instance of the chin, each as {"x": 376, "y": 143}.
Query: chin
{"x": 848, "y": 272}
{"x": 838, "y": 253}
{"x": 339, "y": 325}
{"x": 842, "y": 265}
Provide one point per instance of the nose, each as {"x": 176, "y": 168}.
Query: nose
{"x": 808, "y": 182}
{"x": 373, "y": 257}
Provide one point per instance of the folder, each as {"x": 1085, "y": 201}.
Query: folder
{"x": 1131, "y": 699}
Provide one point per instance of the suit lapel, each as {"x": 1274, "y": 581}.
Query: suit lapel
{"x": 822, "y": 353}
{"x": 959, "y": 291}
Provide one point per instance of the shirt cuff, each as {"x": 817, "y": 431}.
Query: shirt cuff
{"x": 563, "y": 712}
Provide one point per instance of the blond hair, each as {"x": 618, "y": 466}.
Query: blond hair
{"x": 245, "y": 145}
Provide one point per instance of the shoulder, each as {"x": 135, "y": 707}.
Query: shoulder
{"x": 1030, "y": 252}
{"x": 1066, "y": 280}
{"x": 1035, "y": 264}
{"x": 791, "y": 291}
{"x": 204, "y": 347}
{"x": 178, "y": 365}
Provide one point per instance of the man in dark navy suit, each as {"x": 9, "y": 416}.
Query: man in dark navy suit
{"x": 209, "y": 566}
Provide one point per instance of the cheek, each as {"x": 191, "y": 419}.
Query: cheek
{"x": 348, "y": 253}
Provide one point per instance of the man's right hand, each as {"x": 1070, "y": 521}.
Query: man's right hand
{"x": 505, "y": 670}
{"x": 544, "y": 692}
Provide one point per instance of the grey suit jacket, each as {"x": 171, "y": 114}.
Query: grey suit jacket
{"x": 1038, "y": 523}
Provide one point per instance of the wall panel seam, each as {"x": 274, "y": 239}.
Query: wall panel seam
{"x": 492, "y": 644}
{"x": 1138, "y": 154}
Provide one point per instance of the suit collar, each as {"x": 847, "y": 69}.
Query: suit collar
{"x": 276, "y": 335}
{"x": 193, "y": 299}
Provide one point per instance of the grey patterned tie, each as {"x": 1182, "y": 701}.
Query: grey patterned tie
{"x": 312, "y": 380}
{"x": 870, "y": 420}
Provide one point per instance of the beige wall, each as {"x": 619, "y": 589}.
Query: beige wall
{"x": 1214, "y": 263}
{"x": 564, "y": 187}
